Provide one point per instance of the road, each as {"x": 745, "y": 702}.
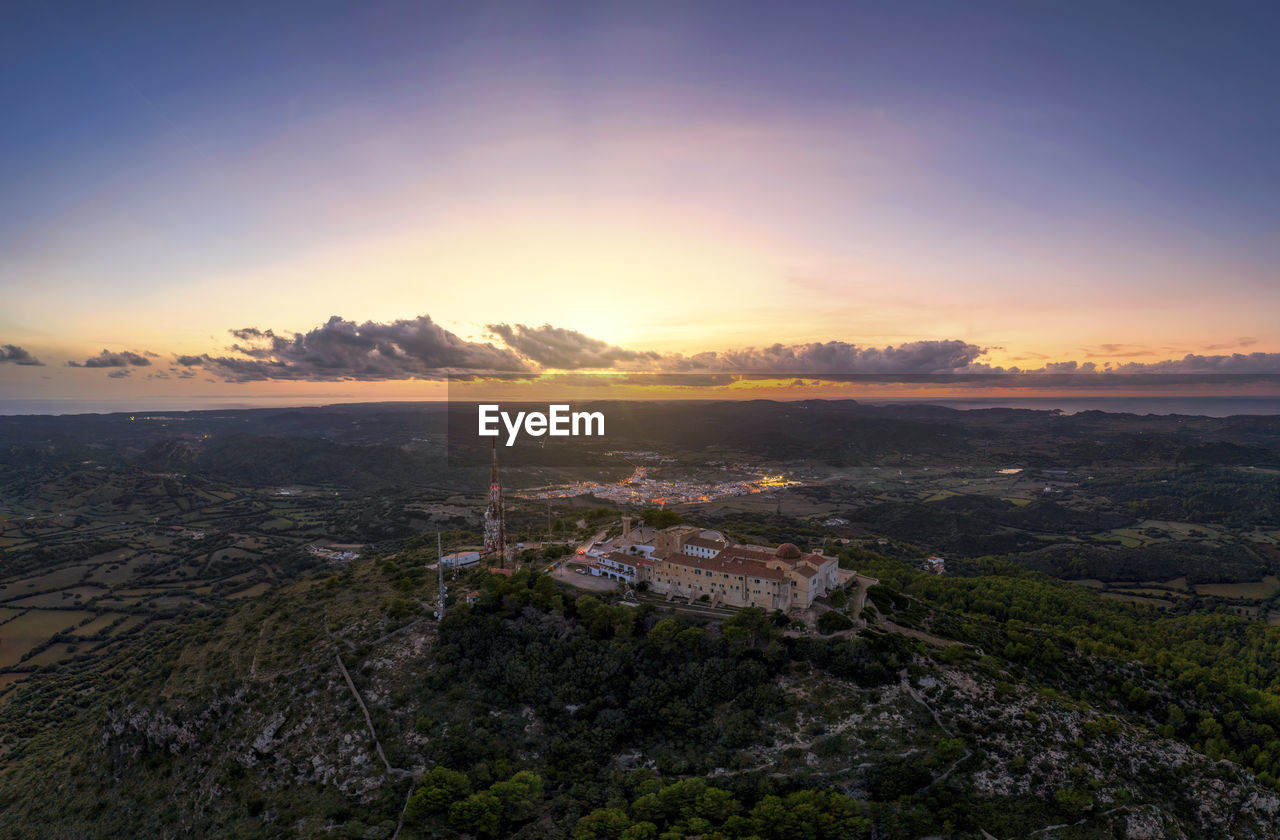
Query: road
{"x": 566, "y": 575}
{"x": 586, "y": 546}
{"x": 860, "y": 598}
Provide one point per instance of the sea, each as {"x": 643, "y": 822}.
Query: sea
{"x": 154, "y": 404}
{"x": 1191, "y": 406}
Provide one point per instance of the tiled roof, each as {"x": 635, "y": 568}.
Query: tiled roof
{"x": 753, "y": 561}
{"x": 731, "y": 565}
{"x": 749, "y": 555}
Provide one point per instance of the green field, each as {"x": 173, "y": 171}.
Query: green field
{"x": 73, "y": 596}
{"x": 1254, "y": 590}
{"x": 1138, "y": 599}
{"x": 1152, "y": 591}
{"x": 256, "y": 589}
{"x": 56, "y": 579}
{"x": 100, "y": 623}
{"x": 7, "y": 681}
{"x": 57, "y": 653}
{"x": 26, "y": 632}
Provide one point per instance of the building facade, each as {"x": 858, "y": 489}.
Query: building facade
{"x": 686, "y": 565}
{"x": 460, "y": 558}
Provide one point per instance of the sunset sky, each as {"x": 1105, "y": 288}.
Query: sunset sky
{"x": 397, "y": 190}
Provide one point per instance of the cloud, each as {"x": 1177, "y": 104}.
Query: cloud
{"x": 419, "y": 348}
{"x": 415, "y": 348}
{"x": 120, "y": 374}
{"x": 562, "y": 349}
{"x": 837, "y": 357}
{"x": 1242, "y": 341}
{"x": 1236, "y": 363}
{"x": 255, "y": 335}
{"x": 1116, "y": 351}
{"x": 1068, "y": 367}
{"x": 108, "y": 359}
{"x": 18, "y": 355}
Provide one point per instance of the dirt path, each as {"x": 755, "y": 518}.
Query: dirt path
{"x": 373, "y": 733}
{"x": 916, "y": 634}
{"x": 1056, "y": 827}
{"x": 253, "y": 666}
{"x": 915, "y": 695}
{"x": 368, "y": 719}
{"x": 860, "y": 598}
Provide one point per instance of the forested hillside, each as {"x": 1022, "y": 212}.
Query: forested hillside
{"x": 537, "y": 713}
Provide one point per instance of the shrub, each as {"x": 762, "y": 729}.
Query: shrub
{"x": 833, "y": 622}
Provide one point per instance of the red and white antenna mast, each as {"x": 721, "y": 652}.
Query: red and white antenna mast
{"x": 495, "y": 531}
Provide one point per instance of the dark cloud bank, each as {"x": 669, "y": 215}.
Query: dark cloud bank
{"x": 415, "y": 348}
{"x": 18, "y": 356}
{"x": 118, "y": 359}
{"x": 419, "y": 348}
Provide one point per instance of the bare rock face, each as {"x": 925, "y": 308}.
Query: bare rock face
{"x": 1019, "y": 744}
{"x": 1150, "y": 824}
{"x": 153, "y": 728}
{"x": 283, "y": 735}
{"x": 265, "y": 741}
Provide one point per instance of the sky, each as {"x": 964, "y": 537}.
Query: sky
{"x": 314, "y": 200}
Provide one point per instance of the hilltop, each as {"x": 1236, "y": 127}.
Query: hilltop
{"x": 553, "y": 715}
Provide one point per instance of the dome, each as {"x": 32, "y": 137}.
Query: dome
{"x": 788, "y": 551}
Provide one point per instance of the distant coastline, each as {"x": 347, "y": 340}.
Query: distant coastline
{"x": 1191, "y": 406}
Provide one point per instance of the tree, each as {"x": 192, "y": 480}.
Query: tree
{"x": 949, "y": 749}
{"x": 660, "y": 518}
{"x": 519, "y": 796}
{"x": 480, "y": 812}
{"x": 603, "y": 824}
{"x": 439, "y": 789}
{"x": 833, "y": 622}
{"x": 664, "y": 633}
{"x": 749, "y": 627}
